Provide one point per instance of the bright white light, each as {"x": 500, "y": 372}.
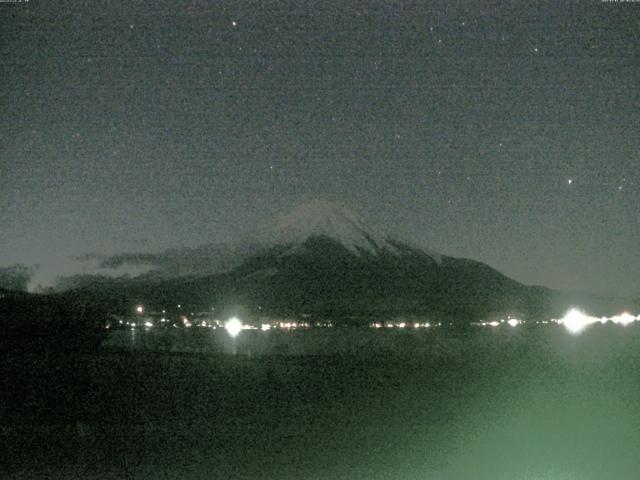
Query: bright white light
{"x": 139, "y": 309}
{"x": 513, "y": 322}
{"x": 133, "y": 325}
{"x": 575, "y": 321}
{"x": 233, "y": 327}
{"x": 494, "y": 323}
{"x": 265, "y": 327}
{"x": 623, "y": 319}
{"x": 148, "y": 324}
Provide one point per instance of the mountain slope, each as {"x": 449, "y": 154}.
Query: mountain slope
{"x": 323, "y": 260}
{"x": 328, "y": 219}
{"x": 323, "y": 277}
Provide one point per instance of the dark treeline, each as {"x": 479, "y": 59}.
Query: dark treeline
{"x": 49, "y": 322}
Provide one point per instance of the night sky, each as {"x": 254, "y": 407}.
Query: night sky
{"x": 504, "y": 132}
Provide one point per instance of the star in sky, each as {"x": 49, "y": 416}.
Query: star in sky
{"x": 199, "y": 110}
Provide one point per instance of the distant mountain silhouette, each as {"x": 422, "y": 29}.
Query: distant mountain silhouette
{"x": 322, "y": 260}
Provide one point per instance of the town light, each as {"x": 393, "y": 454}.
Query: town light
{"x": 575, "y": 321}
{"x": 233, "y": 327}
{"x": 623, "y": 319}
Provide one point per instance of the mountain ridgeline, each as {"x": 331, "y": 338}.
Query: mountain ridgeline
{"x": 322, "y": 277}
{"x": 322, "y": 261}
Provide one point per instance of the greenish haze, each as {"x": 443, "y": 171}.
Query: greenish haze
{"x": 505, "y": 403}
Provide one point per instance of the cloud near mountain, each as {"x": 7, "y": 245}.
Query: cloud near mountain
{"x": 319, "y": 218}
{"x": 175, "y": 262}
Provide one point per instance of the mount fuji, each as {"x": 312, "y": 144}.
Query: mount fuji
{"x": 322, "y": 260}
{"x": 342, "y": 225}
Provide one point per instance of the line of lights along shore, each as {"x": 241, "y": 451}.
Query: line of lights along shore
{"x": 575, "y": 321}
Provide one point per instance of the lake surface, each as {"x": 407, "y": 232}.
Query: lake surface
{"x": 503, "y": 403}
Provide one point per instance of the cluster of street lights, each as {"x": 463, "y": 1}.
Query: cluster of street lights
{"x": 575, "y": 321}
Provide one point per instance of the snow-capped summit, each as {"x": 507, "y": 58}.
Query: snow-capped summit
{"x": 336, "y": 221}
{"x": 327, "y": 219}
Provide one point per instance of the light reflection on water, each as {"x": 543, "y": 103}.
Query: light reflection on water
{"x": 532, "y": 402}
